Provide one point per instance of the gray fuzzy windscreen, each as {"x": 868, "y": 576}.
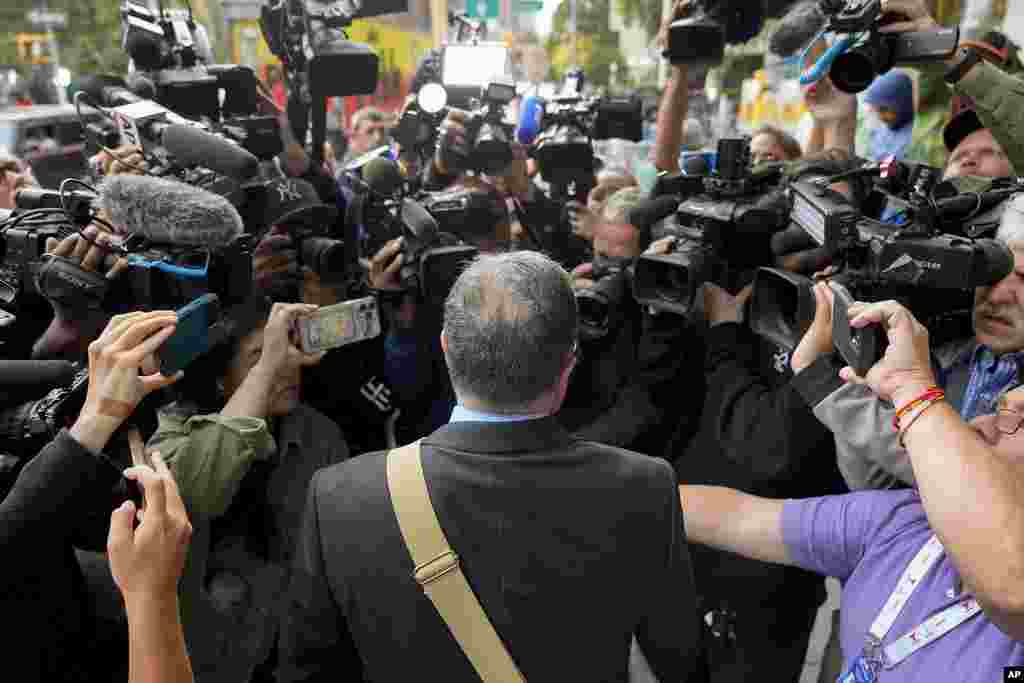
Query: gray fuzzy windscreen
{"x": 797, "y": 28}
{"x": 169, "y": 212}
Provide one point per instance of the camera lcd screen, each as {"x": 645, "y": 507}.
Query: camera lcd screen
{"x": 473, "y": 64}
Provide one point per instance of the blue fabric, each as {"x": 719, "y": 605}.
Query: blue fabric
{"x": 464, "y": 414}
{"x": 990, "y": 377}
{"x": 893, "y": 91}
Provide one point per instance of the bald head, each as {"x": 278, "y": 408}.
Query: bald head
{"x": 509, "y": 329}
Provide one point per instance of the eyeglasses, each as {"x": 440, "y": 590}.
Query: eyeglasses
{"x": 1008, "y": 421}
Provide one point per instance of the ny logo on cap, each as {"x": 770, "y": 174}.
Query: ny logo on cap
{"x": 288, "y": 192}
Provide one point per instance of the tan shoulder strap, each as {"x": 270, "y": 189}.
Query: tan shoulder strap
{"x": 438, "y": 571}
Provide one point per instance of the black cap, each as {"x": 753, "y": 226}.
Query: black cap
{"x": 959, "y": 127}
{"x": 290, "y": 200}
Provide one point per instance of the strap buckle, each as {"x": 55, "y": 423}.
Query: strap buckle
{"x": 434, "y": 569}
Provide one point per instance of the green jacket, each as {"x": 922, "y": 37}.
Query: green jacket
{"x": 999, "y": 101}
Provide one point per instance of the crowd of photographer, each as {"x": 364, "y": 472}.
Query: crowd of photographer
{"x": 295, "y": 413}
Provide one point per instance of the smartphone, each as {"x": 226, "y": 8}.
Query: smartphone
{"x": 339, "y": 325}
{"x": 191, "y": 337}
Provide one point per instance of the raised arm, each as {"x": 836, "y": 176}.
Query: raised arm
{"x": 972, "y": 492}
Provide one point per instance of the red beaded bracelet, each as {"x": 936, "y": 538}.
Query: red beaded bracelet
{"x": 931, "y": 395}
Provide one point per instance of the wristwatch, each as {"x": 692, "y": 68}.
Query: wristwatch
{"x": 966, "y": 58}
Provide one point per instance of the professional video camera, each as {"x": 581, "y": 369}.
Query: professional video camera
{"x": 174, "y": 66}
{"x": 700, "y": 38}
{"x": 309, "y": 38}
{"x": 563, "y": 129}
{"x": 37, "y": 400}
{"x": 720, "y": 231}
{"x": 160, "y": 273}
{"x": 601, "y": 305}
{"x": 861, "y": 53}
{"x": 876, "y": 261}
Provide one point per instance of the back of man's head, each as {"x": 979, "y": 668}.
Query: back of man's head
{"x": 510, "y": 325}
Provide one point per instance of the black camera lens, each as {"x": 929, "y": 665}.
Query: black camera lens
{"x": 324, "y": 256}
{"x": 492, "y": 153}
{"x": 672, "y": 283}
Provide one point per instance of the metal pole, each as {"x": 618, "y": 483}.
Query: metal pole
{"x": 62, "y": 93}
{"x": 572, "y": 27}
{"x": 439, "y": 21}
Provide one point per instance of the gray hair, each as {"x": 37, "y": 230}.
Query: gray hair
{"x": 1011, "y": 225}
{"x": 509, "y": 322}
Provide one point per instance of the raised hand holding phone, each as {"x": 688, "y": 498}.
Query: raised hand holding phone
{"x": 344, "y": 323}
{"x": 116, "y": 380}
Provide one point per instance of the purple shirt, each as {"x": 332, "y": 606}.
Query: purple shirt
{"x": 866, "y": 540}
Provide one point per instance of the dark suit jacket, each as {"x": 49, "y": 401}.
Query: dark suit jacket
{"x": 571, "y": 547}
{"x": 49, "y": 634}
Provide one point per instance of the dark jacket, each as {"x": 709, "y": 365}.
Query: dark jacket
{"x": 45, "y": 602}
{"x": 756, "y": 435}
{"x": 571, "y": 547}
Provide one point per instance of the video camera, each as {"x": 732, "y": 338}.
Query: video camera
{"x": 863, "y": 53}
{"x": 159, "y": 274}
{"x": 912, "y": 262}
{"x": 721, "y": 227}
{"x": 700, "y": 38}
{"x": 601, "y": 306}
{"x": 37, "y": 400}
{"x": 561, "y": 131}
{"x": 174, "y": 66}
{"x": 309, "y": 38}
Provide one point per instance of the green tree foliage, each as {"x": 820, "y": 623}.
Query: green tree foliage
{"x": 647, "y": 13}
{"x": 597, "y": 46}
{"x": 90, "y": 42}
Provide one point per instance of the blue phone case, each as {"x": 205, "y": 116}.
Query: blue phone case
{"x": 191, "y": 337}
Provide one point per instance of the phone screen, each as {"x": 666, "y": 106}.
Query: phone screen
{"x": 191, "y": 337}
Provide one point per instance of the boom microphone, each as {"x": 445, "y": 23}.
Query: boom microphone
{"x": 169, "y": 212}
{"x": 800, "y": 25}
{"x": 195, "y": 147}
{"x": 383, "y": 177}
{"x": 531, "y": 115}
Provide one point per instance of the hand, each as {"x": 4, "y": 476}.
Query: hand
{"x": 148, "y": 561}
{"x": 315, "y": 292}
{"x": 115, "y": 384}
{"x": 681, "y": 9}
{"x": 818, "y": 338}
{"x": 125, "y": 159}
{"x": 905, "y": 371}
{"x": 275, "y": 264}
{"x": 901, "y": 16}
{"x": 660, "y": 247}
{"x": 825, "y": 102}
{"x": 90, "y": 251}
{"x": 582, "y": 220}
{"x": 384, "y": 268}
{"x": 722, "y": 307}
{"x": 452, "y": 143}
{"x": 583, "y": 276}
{"x": 280, "y": 353}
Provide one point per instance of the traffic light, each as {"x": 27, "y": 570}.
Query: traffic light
{"x": 33, "y": 48}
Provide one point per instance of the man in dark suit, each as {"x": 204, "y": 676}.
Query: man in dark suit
{"x": 571, "y": 547}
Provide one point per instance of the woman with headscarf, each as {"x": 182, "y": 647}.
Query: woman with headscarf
{"x": 891, "y": 101}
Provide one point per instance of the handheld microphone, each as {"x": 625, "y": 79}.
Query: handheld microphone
{"x": 645, "y": 214}
{"x": 531, "y": 116}
{"x": 169, "y": 212}
{"x": 195, "y": 147}
{"x": 357, "y": 164}
{"x": 383, "y": 177}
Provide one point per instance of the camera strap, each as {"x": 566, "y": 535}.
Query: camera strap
{"x": 438, "y": 571}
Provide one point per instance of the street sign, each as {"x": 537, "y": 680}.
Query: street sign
{"x": 41, "y": 18}
{"x": 33, "y": 48}
{"x": 482, "y": 9}
{"x": 529, "y": 6}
